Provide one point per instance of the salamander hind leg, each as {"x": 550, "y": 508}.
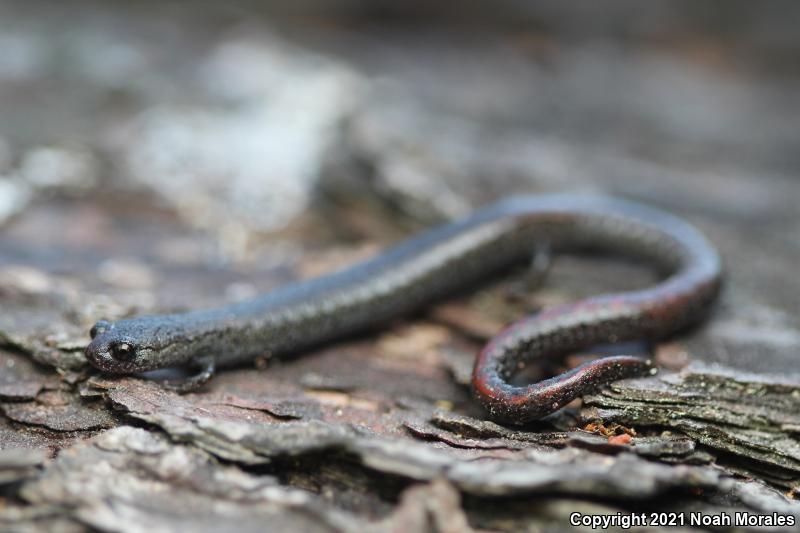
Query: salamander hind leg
{"x": 539, "y": 266}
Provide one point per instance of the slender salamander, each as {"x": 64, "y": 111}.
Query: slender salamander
{"x": 439, "y": 262}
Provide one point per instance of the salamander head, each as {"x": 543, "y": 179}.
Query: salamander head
{"x": 126, "y": 346}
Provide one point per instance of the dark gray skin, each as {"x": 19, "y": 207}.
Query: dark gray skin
{"x": 437, "y": 263}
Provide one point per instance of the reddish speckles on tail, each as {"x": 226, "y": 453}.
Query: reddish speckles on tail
{"x": 646, "y": 314}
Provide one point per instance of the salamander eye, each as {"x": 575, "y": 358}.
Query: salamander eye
{"x": 100, "y": 327}
{"x": 123, "y": 351}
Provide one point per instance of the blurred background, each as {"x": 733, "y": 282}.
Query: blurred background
{"x": 160, "y": 156}
{"x": 171, "y": 154}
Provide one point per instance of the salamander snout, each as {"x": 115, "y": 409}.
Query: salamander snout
{"x": 110, "y": 351}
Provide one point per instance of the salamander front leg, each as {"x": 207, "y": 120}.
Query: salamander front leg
{"x": 206, "y": 364}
